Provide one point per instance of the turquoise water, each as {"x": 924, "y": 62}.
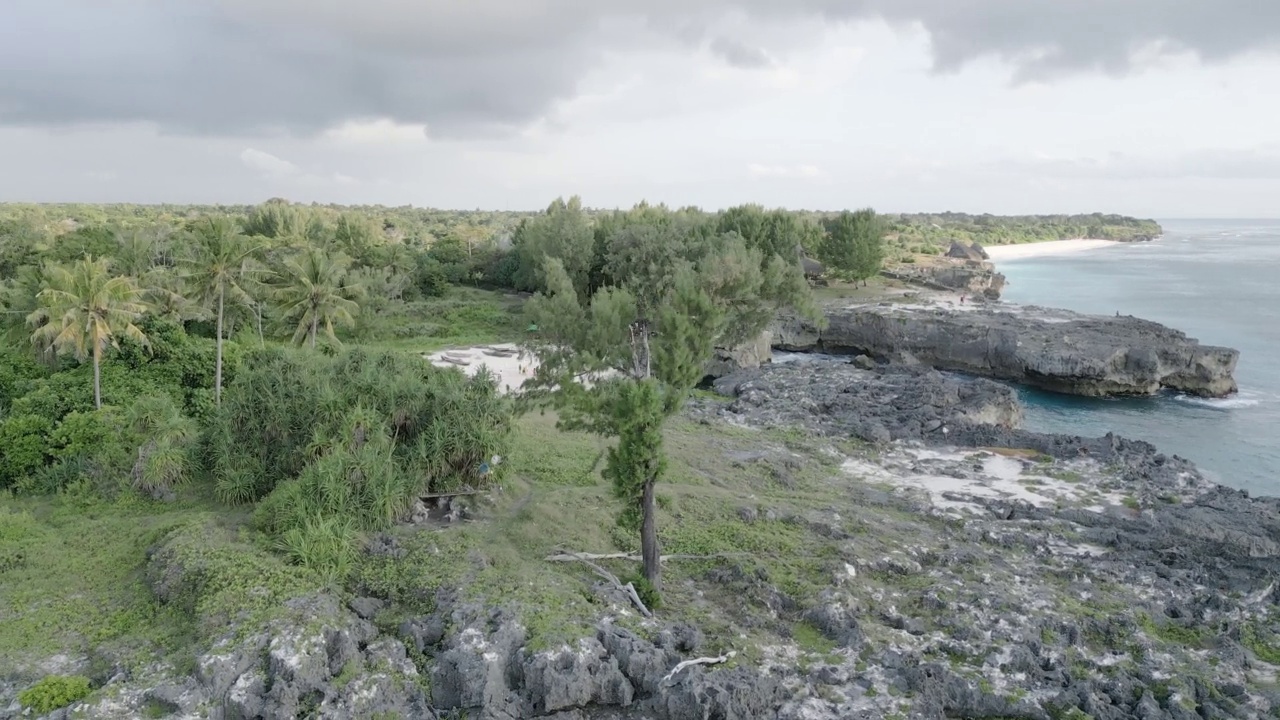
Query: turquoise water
{"x": 1218, "y": 281}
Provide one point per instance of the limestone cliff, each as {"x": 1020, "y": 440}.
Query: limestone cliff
{"x": 1051, "y": 349}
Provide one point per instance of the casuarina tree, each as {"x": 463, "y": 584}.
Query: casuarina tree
{"x": 622, "y": 358}
{"x": 854, "y": 244}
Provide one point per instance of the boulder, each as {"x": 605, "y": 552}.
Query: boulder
{"x": 973, "y": 276}
{"x": 750, "y": 354}
{"x": 966, "y": 252}
{"x": 1051, "y": 349}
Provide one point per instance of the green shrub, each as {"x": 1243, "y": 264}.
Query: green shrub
{"x": 649, "y": 594}
{"x": 332, "y": 446}
{"x": 54, "y": 692}
{"x": 24, "y": 447}
{"x": 325, "y": 544}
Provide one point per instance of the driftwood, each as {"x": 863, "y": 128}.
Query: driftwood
{"x": 572, "y": 556}
{"x": 629, "y": 590}
{"x": 456, "y": 493}
{"x": 700, "y": 661}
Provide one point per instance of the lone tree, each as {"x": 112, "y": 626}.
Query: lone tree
{"x": 620, "y": 359}
{"x": 218, "y": 267}
{"x": 83, "y": 309}
{"x": 854, "y": 244}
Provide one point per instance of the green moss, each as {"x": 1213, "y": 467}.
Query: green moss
{"x": 54, "y": 692}
{"x": 811, "y": 640}
{"x": 1264, "y": 644}
{"x": 1172, "y": 633}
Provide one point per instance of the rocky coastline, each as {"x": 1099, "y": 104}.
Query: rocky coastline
{"x": 989, "y": 572}
{"x": 958, "y": 565}
{"x": 1046, "y": 348}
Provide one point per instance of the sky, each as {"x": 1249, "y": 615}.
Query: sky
{"x": 1156, "y": 108}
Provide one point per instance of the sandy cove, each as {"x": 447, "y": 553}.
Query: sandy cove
{"x": 1023, "y": 251}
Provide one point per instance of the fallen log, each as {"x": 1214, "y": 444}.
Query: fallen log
{"x": 700, "y": 661}
{"x": 628, "y": 589}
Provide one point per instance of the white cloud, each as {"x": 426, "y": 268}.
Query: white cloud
{"x": 377, "y": 132}
{"x": 268, "y": 164}
{"x": 278, "y": 169}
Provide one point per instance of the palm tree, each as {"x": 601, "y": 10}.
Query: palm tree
{"x": 313, "y": 291}
{"x": 218, "y": 267}
{"x": 83, "y": 309}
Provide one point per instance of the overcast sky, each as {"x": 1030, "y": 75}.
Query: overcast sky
{"x": 1164, "y": 108}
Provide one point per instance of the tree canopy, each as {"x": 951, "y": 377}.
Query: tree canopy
{"x": 619, "y": 358}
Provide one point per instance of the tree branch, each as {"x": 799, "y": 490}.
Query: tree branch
{"x": 700, "y": 661}
{"x": 629, "y": 590}
{"x": 573, "y": 556}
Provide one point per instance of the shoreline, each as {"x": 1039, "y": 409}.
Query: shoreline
{"x": 1023, "y": 251}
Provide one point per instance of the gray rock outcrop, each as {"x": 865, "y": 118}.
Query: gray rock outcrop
{"x": 975, "y": 277}
{"x": 1051, "y": 349}
{"x": 750, "y": 354}
{"x": 972, "y": 251}
{"x": 893, "y": 403}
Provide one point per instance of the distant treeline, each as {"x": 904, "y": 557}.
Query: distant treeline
{"x": 926, "y": 233}
{"x": 473, "y": 229}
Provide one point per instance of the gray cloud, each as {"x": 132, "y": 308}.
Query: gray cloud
{"x": 739, "y": 54}
{"x": 239, "y": 66}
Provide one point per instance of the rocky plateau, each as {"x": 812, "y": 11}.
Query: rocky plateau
{"x": 1051, "y": 349}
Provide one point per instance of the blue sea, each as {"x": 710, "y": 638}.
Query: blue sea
{"x": 1216, "y": 280}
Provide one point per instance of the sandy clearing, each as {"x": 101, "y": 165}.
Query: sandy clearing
{"x": 504, "y": 360}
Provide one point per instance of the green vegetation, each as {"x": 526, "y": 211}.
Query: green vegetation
{"x": 82, "y": 310}
{"x": 620, "y": 359}
{"x": 53, "y": 692}
{"x": 854, "y": 245}
{"x": 204, "y": 412}
{"x": 933, "y": 233}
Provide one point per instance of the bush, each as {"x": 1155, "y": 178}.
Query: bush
{"x": 54, "y": 692}
{"x": 649, "y": 594}
{"x": 331, "y": 446}
{"x": 24, "y": 447}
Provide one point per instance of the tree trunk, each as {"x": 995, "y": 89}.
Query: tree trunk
{"x": 261, "y": 342}
{"x": 217, "y": 363}
{"x": 649, "y": 538}
{"x": 97, "y": 373}
{"x": 315, "y": 322}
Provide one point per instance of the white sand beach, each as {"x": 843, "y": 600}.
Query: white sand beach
{"x": 1041, "y": 249}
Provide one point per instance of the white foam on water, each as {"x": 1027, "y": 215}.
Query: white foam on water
{"x": 1231, "y": 403}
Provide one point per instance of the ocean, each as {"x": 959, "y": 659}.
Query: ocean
{"x": 1216, "y": 280}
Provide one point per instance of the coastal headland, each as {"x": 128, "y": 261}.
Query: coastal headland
{"x": 850, "y": 531}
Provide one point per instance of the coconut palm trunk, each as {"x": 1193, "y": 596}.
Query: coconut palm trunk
{"x": 97, "y": 373}
{"x": 217, "y": 363}
{"x": 315, "y": 326}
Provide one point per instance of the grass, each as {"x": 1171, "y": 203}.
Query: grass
{"x": 467, "y": 316}
{"x": 73, "y": 576}
{"x": 877, "y": 288}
